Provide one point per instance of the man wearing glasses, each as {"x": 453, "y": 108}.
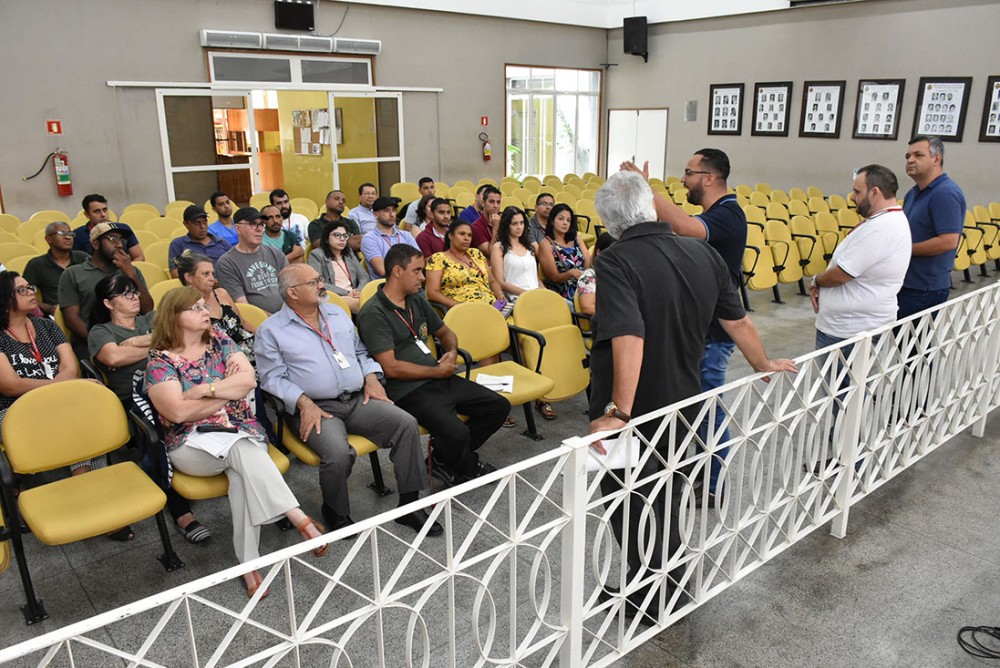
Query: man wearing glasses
{"x": 249, "y": 270}
{"x": 724, "y": 226}
{"x": 45, "y": 271}
{"x": 78, "y": 282}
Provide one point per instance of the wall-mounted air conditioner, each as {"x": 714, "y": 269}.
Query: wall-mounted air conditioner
{"x": 296, "y": 43}
{"x": 232, "y": 39}
{"x": 367, "y": 47}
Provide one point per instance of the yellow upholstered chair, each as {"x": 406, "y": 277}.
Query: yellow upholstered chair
{"x": 142, "y": 206}
{"x": 166, "y": 227}
{"x": 464, "y": 200}
{"x": 9, "y": 222}
{"x": 507, "y": 188}
{"x": 335, "y": 299}
{"x": 157, "y": 290}
{"x": 829, "y": 232}
{"x": 29, "y": 228}
{"x": 482, "y": 333}
{"x": 466, "y": 183}
{"x": 798, "y": 208}
{"x": 564, "y": 362}
{"x": 38, "y": 242}
{"x": 13, "y": 249}
{"x": 779, "y": 196}
{"x": 532, "y": 183}
{"x": 743, "y": 190}
{"x": 18, "y": 263}
{"x": 763, "y": 188}
{"x": 9, "y": 237}
{"x": 758, "y": 265}
{"x": 158, "y": 254}
{"x": 811, "y": 248}
{"x": 176, "y": 208}
{"x": 146, "y": 239}
{"x": 836, "y": 202}
{"x": 441, "y": 189}
{"x": 136, "y": 219}
{"x": 553, "y": 181}
{"x": 566, "y": 197}
{"x": 260, "y": 200}
{"x": 817, "y": 204}
{"x": 153, "y": 273}
{"x": 776, "y": 211}
{"x": 485, "y": 181}
{"x": 50, "y": 215}
{"x": 368, "y": 290}
{"x": 755, "y": 216}
{"x": 252, "y": 314}
{"x": 510, "y": 201}
{"x": 798, "y": 194}
{"x": 814, "y": 191}
{"x": 991, "y": 232}
{"x": 305, "y": 206}
{"x": 760, "y": 199}
{"x": 787, "y": 262}
{"x": 61, "y": 322}
{"x": 81, "y": 506}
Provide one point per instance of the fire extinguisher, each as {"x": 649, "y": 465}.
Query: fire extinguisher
{"x": 60, "y": 165}
{"x": 487, "y": 146}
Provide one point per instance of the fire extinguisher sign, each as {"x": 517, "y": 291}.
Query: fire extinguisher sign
{"x": 53, "y": 126}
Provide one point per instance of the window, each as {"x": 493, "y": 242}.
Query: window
{"x": 271, "y": 68}
{"x": 552, "y": 120}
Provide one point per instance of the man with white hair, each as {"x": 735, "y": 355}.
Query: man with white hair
{"x": 659, "y": 294}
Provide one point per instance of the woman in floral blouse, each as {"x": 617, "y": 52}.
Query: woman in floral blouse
{"x": 461, "y": 273}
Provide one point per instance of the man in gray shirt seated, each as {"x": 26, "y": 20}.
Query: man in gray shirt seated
{"x": 249, "y": 270}
{"x": 310, "y": 356}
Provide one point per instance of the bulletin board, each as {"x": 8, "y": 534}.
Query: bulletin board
{"x": 312, "y": 130}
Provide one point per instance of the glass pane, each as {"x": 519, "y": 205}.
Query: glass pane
{"x": 387, "y": 127}
{"x": 566, "y": 80}
{"x": 199, "y": 186}
{"x": 544, "y": 127}
{"x": 190, "y": 129}
{"x": 518, "y": 77}
{"x": 590, "y": 81}
{"x": 565, "y": 134}
{"x": 237, "y": 68}
{"x": 517, "y": 135}
{"x": 354, "y": 174}
{"x": 335, "y": 71}
{"x": 542, "y": 79}
{"x": 586, "y": 141}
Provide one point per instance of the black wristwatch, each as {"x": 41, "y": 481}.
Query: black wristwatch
{"x": 611, "y": 411}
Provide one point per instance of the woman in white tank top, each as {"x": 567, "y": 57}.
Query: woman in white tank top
{"x": 512, "y": 261}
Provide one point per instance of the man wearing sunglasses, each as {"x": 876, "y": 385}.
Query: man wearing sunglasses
{"x": 249, "y": 270}
{"x": 77, "y": 284}
{"x": 45, "y": 271}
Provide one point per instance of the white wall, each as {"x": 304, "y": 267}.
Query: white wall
{"x": 903, "y": 39}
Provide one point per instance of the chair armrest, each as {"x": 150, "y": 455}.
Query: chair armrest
{"x": 516, "y": 348}
{"x": 12, "y": 520}
{"x": 467, "y": 360}
{"x": 89, "y": 370}
{"x": 153, "y": 447}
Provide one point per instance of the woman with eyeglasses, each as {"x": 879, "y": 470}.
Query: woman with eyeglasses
{"x": 197, "y": 271}
{"x": 199, "y": 381}
{"x": 337, "y": 264}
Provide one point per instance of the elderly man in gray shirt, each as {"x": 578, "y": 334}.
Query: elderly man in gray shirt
{"x": 310, "y": 356}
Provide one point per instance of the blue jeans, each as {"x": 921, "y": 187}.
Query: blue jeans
{"x": 713, "y": 375}
{"x": 909, "y": 301}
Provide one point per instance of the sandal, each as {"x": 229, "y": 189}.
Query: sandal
{"x": 194, "y": 532}
{"x": 545, "y": 408}
{"x": 122, "y": 535}
{"x": 303, "y": 528}
{"x": 509, "y": 423}
{"x": 256, "y": 583}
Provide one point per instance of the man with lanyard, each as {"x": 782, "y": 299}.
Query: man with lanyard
{"x": 295, "y": 222}
{"x": 394, "y": 326}
{"x": 376, "y": 243}
{"x": 431, "y": 240}
{"x": 224, "y": 227}
{"x": 724, "y": 226}
{"x": 310, "y": 356}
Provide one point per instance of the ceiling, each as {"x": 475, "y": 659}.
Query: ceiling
{"x": 590, "y": 13}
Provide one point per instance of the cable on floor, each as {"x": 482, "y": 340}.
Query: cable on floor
{"x": 971, "y": 639}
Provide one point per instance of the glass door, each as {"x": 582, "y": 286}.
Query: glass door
{"x": 368, "y": 141}
{"x": 209, "y": 142}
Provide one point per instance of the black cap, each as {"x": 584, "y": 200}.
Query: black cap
{"x": 385, "y": 203}
{"x": 247, "y": 214}
{"x": 194, "y": 212}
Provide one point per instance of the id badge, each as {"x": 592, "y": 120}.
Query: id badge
{"x": 341, "y": 359}
{"x": 423, "y": 346}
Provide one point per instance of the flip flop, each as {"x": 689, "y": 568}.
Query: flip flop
{"x": 194, "y": 532}
{"x": 545, "y": 408}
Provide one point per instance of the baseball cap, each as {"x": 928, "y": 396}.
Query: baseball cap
{"x": 99, "y": 230}
{"x": 194, "y": 212}
{"x": 385, "y": 203}
{"x": 247, "y": 214}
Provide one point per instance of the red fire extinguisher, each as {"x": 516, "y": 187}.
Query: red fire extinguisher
{"x": 60, "y": 164}
{"x": 487, "y": 146}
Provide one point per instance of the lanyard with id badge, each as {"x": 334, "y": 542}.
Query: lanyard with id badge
{"x": 47, "y": 369}
{"x": 411, "y": 325}
{"x": 340, "y": 357}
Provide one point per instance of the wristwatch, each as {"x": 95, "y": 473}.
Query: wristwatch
{"x": 813, "y": 283}
{"x": 611, "y": 411}
{"x": 211, "y": 389}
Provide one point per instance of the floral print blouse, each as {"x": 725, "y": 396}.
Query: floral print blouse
{"x": 462, "y": 282}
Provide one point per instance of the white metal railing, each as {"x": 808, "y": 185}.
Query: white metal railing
{"x": 516, "y": 579}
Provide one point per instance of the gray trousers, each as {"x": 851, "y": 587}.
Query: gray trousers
{"x": 381, "y": 422}
{"x": 257, "y": 492}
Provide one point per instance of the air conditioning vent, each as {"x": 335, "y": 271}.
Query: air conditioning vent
{"x": 232, "y": 39}
{"x": 296, "y": 43}
{"x": 368, "y": 47}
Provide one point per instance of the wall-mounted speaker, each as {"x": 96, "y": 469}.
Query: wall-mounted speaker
{"x": 294, "y": 15}
{"x": 635, "y": 37}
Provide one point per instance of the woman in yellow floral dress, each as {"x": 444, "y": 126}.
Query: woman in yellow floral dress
{"x": 461, "y": 273}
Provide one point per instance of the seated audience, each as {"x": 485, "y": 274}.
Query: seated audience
{"x": 337, "y": 264}
{"x": 485, "y": 227}
{"x": 335, "y": 205}
{"x": 473, "y": 213}
{"x": 422, "y": 207}
{"x": 249, "y": 270}
{"x": 77, "y": 283}
{"x": 460, "y": 273}
{"x": 427, "y": 187}
{"x": 431, "y": 240}
{"x": 513, "y": 260}
{"x": 196, "y": 271}
{"x": 198, "y": 382}
{"x": 363, "y": 214}
{"x": 198, "y": 239}
{"x": 310, "y": 356}
{"x": 95, "y": 208}
{"x": 394, "y": 325}
{"x": 119, "y": 345}
{"x": 296, "y": 223}
{"x": 537, "y": 223}
{"x": 224, "y": 228}
{"x": 384, "y": 236}
{"x": 280, "y": 237}
{"x": 562, "y": 256}
{"x": 45, "y": 271}
{"x": 586, "y": 285}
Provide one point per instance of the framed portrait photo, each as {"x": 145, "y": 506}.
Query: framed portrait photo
{"x": 822, "y": 108}
{"x": 876, "y": 115}
{"x": 726, "y": 104}
{"x": 990, "y": 129}
{"x": 941, "y": 106}
{"x": 771, "y": 109}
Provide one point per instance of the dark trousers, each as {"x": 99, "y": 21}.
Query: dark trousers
{"x": 909, "y": 301}
{"x": 436, "y": 405}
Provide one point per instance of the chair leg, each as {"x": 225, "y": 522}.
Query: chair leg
{"x": 378, "y": 484}
{"x": 529, "y": 419}
{"x": 968, "y": 276}
{"x": 802, "y": 287}
{"x": 33, "y": 610}
{"x": 777, "y": 295}
{"x": 982, "y": 270}
{"x": 746, "y": 297}
{"x": 171, "y": 562}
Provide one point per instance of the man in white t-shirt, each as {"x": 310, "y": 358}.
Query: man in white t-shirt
{"x": 295, "y": 222}
{"x": 427, "y": 186}
{"x": 857, "y": 291}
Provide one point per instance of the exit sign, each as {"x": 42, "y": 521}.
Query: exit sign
{"x": 53, "y": 127}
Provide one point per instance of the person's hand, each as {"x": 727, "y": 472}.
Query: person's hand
{"x": 779, "y": 365}
{"x": 354, "y": 294}
{"x": 123, "y": 261}
{"x": 447, "y": 365}
{"x": 374, "y": 390}
{"x": 311, "y": 417}
{"x": 575, "y": 273}
{"x": 814, "y": 296}
{"x": 604, "y": 423}
{"x": 233, "y": 367}
{"x": 629, "y": 166}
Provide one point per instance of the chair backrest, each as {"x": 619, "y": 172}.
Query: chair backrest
{"x": 153, "y": 273}
{"x": 137, "y": 217}
{"x": 36, "y": 442}
{"x": 18, "y": 263}
{"x": 29, "y": 228}
{"x": 305, "y": 206}
{"x": 441, "y": 189}
{"x": 51, "y": 215}
{"x": 776, "y": 211}
{"x": 779, "y": 196}
{"x": 541, "y": 309}
{"x": 260, "y": 200}
{"x": 157, "y": 290}
{"x": 814, "y": 191}
{"x": 142, "y": 206}
{"x": 480, "y": 329}
{"x": 741, "y": 189}
{"x": 145, "y": 239}
{"x": 798, "y": 208}
{"x": 563, "y": 361}
{"x": 818, "y": 204}
{"x": 165, "y": 227}
{"x": 465, "y": 199}
{"x": 158, "y": 254}
{"x": 335, "y": 299}
{"x": 368, "y": 291}
{"x": 252, "y": 314}
{"x": 981, "y": 213}
{"x": 532, "y": 183}
{"x": 836, "y": 202}
{"x": 13, "y": 249}
{"x": 760, "y": 199}
{"x": 798, "y": 194}
{"x": 762, "y": 188}
{"x": 176, "y": 208}
{"x": 467, "y": 183}
{"x": 755, "y": 216}
{"x": 9, "y": 222}
{"x": 11, "y": 238}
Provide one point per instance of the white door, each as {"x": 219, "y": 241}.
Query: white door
{"x": 367, "y": 141}
{"x": 638, "y": 135}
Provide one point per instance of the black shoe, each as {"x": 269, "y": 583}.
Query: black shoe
{"x": 441, "y": 472}
{"x": 416, "y": 521}
{"x": 333, "y": 520}
{"x": 482, "y": 468}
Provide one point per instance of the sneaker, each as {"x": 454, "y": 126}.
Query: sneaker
{"x": 482, "y": 468}
{"x": 442, "y": 472}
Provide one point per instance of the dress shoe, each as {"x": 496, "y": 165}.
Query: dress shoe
{"x": 335, "y": 521}
{"x": 416, "y": 521}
